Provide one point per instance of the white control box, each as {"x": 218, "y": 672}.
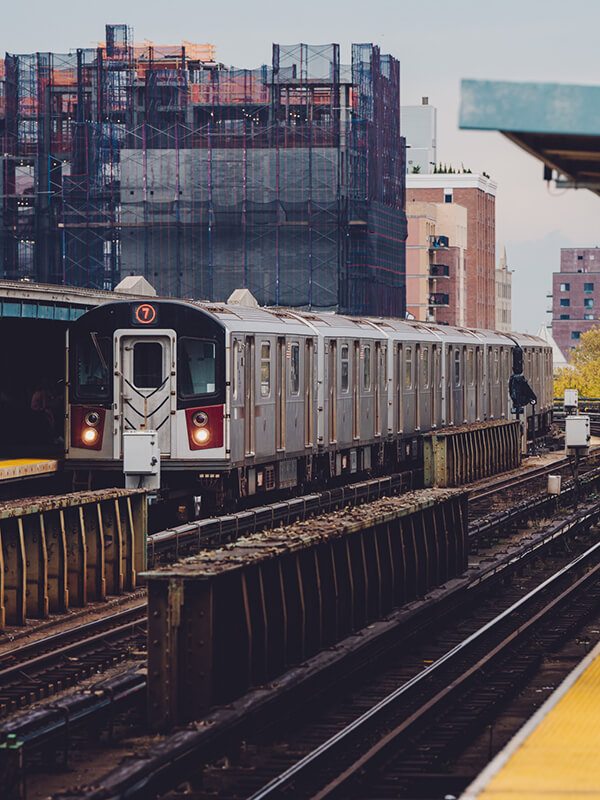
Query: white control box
{"x": 141, "y": 457}
{"x": 571, "y": 398}
{"x": 577, "y": 431}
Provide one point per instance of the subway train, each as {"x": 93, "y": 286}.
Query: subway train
{"x": 247, "y": 400}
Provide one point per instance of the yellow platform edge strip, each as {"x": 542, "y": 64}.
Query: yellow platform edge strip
{"x": 556, "y": 753}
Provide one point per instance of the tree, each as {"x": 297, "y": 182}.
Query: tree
{"x": 583, "y": 373}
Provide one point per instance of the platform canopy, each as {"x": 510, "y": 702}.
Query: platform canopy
{"x": 557, "y": 123}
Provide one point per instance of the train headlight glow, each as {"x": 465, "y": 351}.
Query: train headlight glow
{"x": 201, "y": 435}
{"x": 89, "y": 436}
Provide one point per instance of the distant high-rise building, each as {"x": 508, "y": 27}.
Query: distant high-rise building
{"x": 419, "y": 128}
{"x": 575, "y": 296}
{"x": 477, "y": 193}
{"x": 503, "y": 295}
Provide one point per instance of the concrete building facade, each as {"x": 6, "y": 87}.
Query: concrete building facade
{"x": 503, "y": 295}
{"x": 477, "y": 194}
{"x": 575, "y": 296}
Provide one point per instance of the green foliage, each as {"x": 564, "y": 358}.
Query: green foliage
{"x": 583, "y": 373}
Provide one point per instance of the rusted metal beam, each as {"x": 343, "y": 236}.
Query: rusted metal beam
{"x": 229, "y": 619}
{"x": 469, "y": 453}
{"x": 63, "y": 551}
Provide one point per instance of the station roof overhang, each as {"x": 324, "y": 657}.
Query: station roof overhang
{"x": 557, "y": 123}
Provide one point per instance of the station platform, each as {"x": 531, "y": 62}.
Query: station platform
{"x": 555, "y": 754}
{"x": 12, "y": 469}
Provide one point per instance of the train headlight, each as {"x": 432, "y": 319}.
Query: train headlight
{"x": 89, "y": 436}
{"x": 200, "y": 419}
{"x": 201, "y": 435}
{"x": 92, "y": 418}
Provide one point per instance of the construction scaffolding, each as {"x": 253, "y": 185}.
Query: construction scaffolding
{"x": 157, "y": 161}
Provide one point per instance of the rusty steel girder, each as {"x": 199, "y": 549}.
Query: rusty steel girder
{"x": 58, "y": 552}
{"x": 226, "y": 620}
{"x": 457, "y": 456}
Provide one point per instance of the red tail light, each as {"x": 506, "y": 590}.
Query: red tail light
{"x": 87, "y": 427}
{"x": 204, "y": 427}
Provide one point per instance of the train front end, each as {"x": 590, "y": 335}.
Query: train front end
{"x": 151, "y": 365}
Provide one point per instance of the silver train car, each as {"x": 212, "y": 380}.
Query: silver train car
{"x": 249, "y": 400}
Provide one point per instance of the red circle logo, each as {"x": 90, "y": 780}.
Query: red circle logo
{"x": 145, "y": 314}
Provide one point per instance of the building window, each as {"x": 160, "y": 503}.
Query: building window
{"x": 565, "y": 287}
{"x": 588, "y": 302}
{"x": 592, "y": 257}
{"x": 575, "y": 334}
{"x": 447, "y": 198}
{"x": 565, "y": 302}
{"x": 588, "y": 287}
{"x": 588, "y": 316}
{"x": 565, "y": 316}
{"x": 579, "y": 258}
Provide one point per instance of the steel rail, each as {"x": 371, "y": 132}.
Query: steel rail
{"x": 59, "y": 645}
{"x": 327, "y": 750}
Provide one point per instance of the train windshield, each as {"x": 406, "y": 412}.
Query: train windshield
{"x": 196, "y": 367}
{"x": 92, "y": 368}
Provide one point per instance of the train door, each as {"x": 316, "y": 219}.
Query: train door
{"x": 147, "y": 388}
{"x": 450, "y": 382}
{"x": 249, "y": 398}
{"x": 309, "y": 409}
{"x": 466, "y": 382}
{"x": 490, "y": 383}
{"x": 417, "y": 384}
{"x": 356, "y": 390}
{"x": 478, "y": 383}
{"x": 379, "y": 375}
{"x": 398, "y": 377}
{"x": 280, "y": 390}
{"x": 332, "y": 398}
{"x": 435, "y": 386}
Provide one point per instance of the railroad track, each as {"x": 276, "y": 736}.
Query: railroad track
{"x": 351, "y": 689}
{"x": 404, "y": 731}
{"x": 41, "y": 668}
{"x": 44, "y": 667}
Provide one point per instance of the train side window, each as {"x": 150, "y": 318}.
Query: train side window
{"x": 147, "y": 365}
{"x": 265, "y": 369}
{"x": 470, "y": 367}
{"x": 196, "y": 365}
{"x": 425, "y": 369}
{"x": 295, "y": 368}
{"x": 457, "y": 367}
{"x": 345, "y": 367}
{"x": 496, "y": 365}
{"x": 408, "y": 381}
{"x": 367, "y": 368}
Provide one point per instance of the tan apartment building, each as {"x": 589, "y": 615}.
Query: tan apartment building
{"x": 435, "y": 262}
{"x": 477, "y": 194}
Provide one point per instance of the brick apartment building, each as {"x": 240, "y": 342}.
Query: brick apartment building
{"x": 575, "y": 296}
{"x": 478, "y": 195}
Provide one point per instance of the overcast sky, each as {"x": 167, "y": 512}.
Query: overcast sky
{"x": 438, "y": 42}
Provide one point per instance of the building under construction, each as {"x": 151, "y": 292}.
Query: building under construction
{"x": 158, "y": 161}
